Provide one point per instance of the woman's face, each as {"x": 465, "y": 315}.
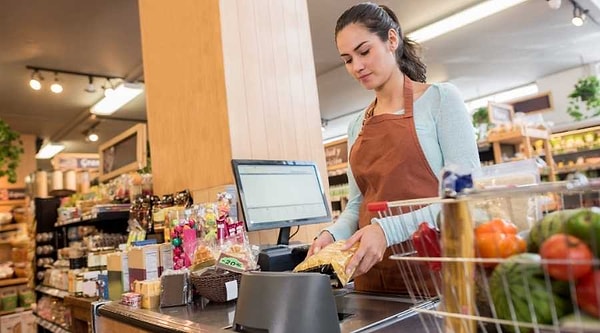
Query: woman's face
{"x": 368, "y": 59}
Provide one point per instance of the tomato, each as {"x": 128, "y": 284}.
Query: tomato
{"x": 588, "y": 293}
{"x": 565, "y": 247}
{"x": 498, "y": 239}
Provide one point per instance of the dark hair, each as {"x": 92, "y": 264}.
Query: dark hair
{"x": 379, "y": 19}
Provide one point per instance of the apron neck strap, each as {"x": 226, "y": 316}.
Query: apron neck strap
{"x": 407, "y": 95}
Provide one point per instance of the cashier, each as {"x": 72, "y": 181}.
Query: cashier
{"x": 398, "y": 145}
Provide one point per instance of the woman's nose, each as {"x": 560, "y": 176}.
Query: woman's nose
{"x": 357, "y": 65}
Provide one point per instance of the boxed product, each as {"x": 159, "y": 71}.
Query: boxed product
{"x": 26, "y": 296}
{"x": 174, "y": 288}
{"x": 143, "y": 263}
{"x": 165, "y": 251}
{"x": 21, "y": 322}
{"x": 118, "y": 275}
{"x": 150, "y": 291}
{"x": 8, "y": 299}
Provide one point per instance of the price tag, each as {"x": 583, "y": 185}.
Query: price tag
{"x": 231, "y": 262}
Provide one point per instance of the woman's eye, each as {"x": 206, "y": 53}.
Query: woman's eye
{"x": 364, "y": 53}
{"x": 347, "y": 61}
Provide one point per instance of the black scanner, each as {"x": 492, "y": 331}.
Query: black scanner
{"x": 281, "y": 258}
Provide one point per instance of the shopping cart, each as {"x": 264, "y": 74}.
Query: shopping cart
{"x": 461, "y": 290}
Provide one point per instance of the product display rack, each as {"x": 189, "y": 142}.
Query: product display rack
{"x": 52, "y": 291}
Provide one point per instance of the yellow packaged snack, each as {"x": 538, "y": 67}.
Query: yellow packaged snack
{"x": 330, "y": 260}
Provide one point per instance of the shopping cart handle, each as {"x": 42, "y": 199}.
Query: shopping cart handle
{"x": 377, "y": 206}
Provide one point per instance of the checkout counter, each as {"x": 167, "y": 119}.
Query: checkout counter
{"x": 357, "y": 312}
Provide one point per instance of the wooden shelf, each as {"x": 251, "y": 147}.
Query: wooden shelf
{"x": 50, "y": 326}
{"x": 12, "y": 226}
{"x": 12, "y": 282}
{"x": 52, "y": 291}
{"x": 12, "y": 202}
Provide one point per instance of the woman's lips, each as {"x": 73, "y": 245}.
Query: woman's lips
{"x": 364, "y": 77}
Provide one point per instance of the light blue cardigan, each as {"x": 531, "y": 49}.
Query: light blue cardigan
{"x": 446, "y": 136}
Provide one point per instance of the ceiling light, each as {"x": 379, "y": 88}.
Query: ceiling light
{"x": 35, "y": 83}
{"x": 90, "y": 87}
{"x": 461, "y": 19}
{"x": 554, "y": 4}
{"x": 108, "y": 87}
{"x": 92, "y": 137}
{"x": 503, "y": 96}
{"x": 122, "y": 95}
{"x": 56, "y": 87}
{"x": 48, "y": 150}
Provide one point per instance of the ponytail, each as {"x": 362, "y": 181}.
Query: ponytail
{"x": 408, "y": 60}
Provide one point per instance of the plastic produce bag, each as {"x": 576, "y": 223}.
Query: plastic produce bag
{"x": 330, "y": 260}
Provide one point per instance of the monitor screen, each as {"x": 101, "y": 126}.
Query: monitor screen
{"x": 280, "y": 194}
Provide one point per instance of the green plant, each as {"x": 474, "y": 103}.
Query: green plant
{"x": 480, "y": 116}
{"x": 11, "y": 148}
{"x": 587, "y": 92}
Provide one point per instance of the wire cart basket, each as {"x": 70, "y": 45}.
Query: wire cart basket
{"x": 486, "y": 279}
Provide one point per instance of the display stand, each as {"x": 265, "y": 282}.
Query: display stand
{"x": 524, "y": 136}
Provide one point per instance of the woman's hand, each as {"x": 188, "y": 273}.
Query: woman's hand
{"x": 371, "y": 249}
{"x": 325, "y": 238}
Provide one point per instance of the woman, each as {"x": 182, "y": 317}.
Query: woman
{"x": 399, "y": 144}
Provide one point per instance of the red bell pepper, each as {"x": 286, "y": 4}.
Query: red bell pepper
{"x": 426, "y": 243}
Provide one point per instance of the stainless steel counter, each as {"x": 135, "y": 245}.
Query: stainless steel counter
{"x": 360, "y": 312}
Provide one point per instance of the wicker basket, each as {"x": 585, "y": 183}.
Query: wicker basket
{"x": 211, "y": 283}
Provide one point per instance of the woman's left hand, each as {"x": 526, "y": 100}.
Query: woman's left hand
{"x": 371, "y": 249}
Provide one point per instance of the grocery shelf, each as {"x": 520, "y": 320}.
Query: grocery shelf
{"x": 104, "y": 216}
{"x": 12, "y": 282}
{"x": 12, "y": 226}
{"x": 52, "y": 291}
{"x": 50, "y": 326}
{"x": 17, "y": 310}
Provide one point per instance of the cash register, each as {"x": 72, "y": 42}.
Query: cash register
{"x": 280, "y": 194}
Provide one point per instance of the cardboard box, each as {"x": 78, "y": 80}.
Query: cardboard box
{"x": 165, "y": 251}
{"x": 23, "y": 322}
{"x": 143, "y": 263}
{"x": 150, "y": 291}
{"x": 118, "y": 275}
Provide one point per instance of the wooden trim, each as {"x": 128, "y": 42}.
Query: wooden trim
{"x": 140, "y": 160}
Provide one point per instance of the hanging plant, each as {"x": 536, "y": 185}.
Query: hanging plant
{"x": 480, "y": 116}
{"x": 587, "y": 93}
{"x": 11, "y": 149}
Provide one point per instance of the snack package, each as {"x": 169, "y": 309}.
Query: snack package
{"x": 330, "y": 260}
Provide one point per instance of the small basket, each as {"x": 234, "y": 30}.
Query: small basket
{"x": 211, "y": 283}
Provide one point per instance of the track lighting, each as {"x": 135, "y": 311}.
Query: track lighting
{"x": 92, "y": 136}
{"x": 56, "y": 87}
{"x": 35, "y": 83}
{"x": 108, "y": 88}
{"x": 579, "y": 14}
{"x": 90, "y": 87}
{"x": 36, "y": 78}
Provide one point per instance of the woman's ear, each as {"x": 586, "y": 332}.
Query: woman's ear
{"x": 393, "y": 39}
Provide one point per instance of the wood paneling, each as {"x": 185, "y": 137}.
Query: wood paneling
{"x": 185, "y": 91}
{"x": 228, "y": 79}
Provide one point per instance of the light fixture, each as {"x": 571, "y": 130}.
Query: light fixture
{"x": 122, "y": 95}
{"x": 108, "y": 88}
{"x": 35, "y": 83}
{"x": 48, "y": 150}
{"x": 56, "y": 87}
{"x": 323, "y": 124}
{"x": 92, "y": 136}
{"x": 554, "y": 4}
{"x": 461, "y": 19}
{"x": 578, "y": 14}
{"x": 503, "y": 96}
{"x": 90, "y": 87}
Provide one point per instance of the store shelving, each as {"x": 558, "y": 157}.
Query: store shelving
{"x": 50, "y": 326}
{"x": 13, "y": 282}
{"x": 52, "y": 291}
{"x": 88, "y": 219}
{"x": 11, "y": 227}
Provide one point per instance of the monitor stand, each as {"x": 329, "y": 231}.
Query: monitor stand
{"x": 281, "y": 257}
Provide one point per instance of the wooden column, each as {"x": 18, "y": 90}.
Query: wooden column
{"x": 228, "y": 79}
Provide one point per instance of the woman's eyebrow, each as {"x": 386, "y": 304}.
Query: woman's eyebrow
{"x": 356, "y": 48}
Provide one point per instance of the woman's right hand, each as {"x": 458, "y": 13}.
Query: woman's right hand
{"x": 325, "y": 238}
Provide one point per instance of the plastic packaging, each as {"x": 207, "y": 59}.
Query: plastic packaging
{"x": 330, "y": 260}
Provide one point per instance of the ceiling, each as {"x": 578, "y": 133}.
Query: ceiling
{"x": 506, "y": 50}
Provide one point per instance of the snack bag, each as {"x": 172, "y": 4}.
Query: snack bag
{"x": 330, "y": 260}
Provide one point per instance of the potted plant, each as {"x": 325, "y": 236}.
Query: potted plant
{"x": 481, "y": 123}
{"x": 11, "y": 149}
{"x": 586, "y": 92}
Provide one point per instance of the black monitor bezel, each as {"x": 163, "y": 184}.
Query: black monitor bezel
{"x": 235, "y": 163}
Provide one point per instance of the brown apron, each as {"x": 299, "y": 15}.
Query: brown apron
{"x": 388, "y": 165}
